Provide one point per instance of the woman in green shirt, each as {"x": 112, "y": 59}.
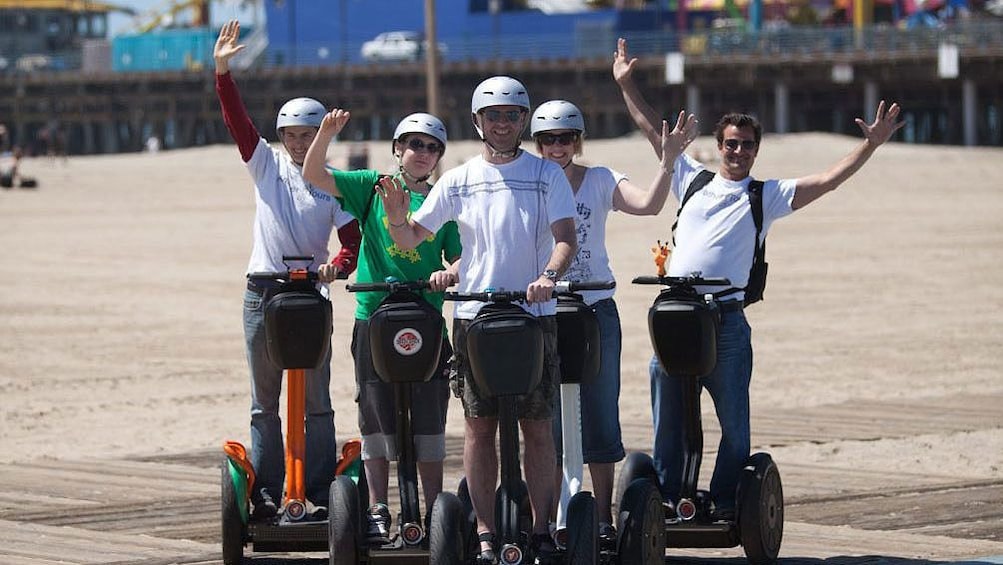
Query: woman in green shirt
{"x": 418, "y": 144}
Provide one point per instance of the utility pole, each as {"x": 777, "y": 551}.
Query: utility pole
{"x": 431, "y": 60}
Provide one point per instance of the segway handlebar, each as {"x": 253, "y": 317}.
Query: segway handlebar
{"x": 692, "y": 280}
{"x": 284, "y": 276}
{"x": 390, "y": 285}
{"x": 562, "y": 287}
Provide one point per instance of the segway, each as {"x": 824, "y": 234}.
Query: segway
{"x": 298, "y": 323}
{"x": 505, "y": 349}
{"x": 405, "y": 334}
{"x": 577, "y": 528}
{"x": 683, "y": 325}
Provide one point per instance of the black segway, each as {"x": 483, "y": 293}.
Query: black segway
{"x": 505, "y": 347}
{"x": 298, "y": 324}
{"x": 577, "y": 527}
{"x": 405, "y": 334}
{"x": 683, "y": 325}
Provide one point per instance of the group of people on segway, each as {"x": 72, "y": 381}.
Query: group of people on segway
{"x": 525, "y": 222}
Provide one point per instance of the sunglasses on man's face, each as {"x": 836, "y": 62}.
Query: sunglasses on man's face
{"x": 496, "y": 115}
{"x": 566, "y": 138}
{"x": 415, "y": 144}
{"x": 734, "y": 144}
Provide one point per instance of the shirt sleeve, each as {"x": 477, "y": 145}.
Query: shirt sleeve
{"x": 356, "y": 188}
{"x": 451, "y": 248}
{"x": 560, "y": 197}
{"x": 435, "y": 211}
{"x": 778, "y": 198}
{"x": 238, "y": 123}
{"x": 347, "y": 258}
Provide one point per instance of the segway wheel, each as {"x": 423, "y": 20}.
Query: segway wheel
{"x": 638, "y": 465}
{"x": 343, "y": 522}
{"x": 448, "y": 539}
{"x": 641, "y": 521}
{"x": 470, "y": 523}
{"x": 583, "y": 530}
{"x": 761, "y": 510}
{"x": 233, "y": 523}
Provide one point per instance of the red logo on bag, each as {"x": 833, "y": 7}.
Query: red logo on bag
{"x": 408, "y": 341}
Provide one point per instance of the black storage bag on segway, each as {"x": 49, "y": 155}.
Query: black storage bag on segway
{"x": 505, "y": 347}
{"x": 684, "y": 328}
{"x": 405, "y": 334}
{"x": 298, "y": 326}
{"x": 577, "y": 340}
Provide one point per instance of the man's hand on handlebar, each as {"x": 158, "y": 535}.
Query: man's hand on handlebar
{"x": 540, "y": 290}
{"x": 327, "y": 273}
{"x": 441, "y": 280}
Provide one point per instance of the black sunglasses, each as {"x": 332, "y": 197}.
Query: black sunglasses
{"x": 496, "y": 115}
{"x": 415, "y": 144}
{"x": 733, "y": 144}
{"x": 566, "y": 138}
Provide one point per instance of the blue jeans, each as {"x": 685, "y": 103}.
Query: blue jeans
{"x": 267, "y": 453}
{"x": 600, "y": 399}
{"x": 728, "y": 386}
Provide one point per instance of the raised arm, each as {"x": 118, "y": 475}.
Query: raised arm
{"x": 396, "y": 202}
{"x": 644, "y": 115}
{"x": 238, "y": 123}
{"x": 811, "y": 187}
{"x": 313, "y": 165}
{"x": 633, "y": 199}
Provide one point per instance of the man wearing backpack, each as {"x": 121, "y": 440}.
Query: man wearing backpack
{"x": 722, "y": 224}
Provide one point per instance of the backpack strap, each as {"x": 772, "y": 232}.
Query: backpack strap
{"x": 702, "y": 179}
{"x": 756, "y": 202}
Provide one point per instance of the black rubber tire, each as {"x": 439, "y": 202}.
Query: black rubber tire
{"x": 447, "y": 538}
{"x": 343, "y": 522}
{"x": 583, "y": 530}
{"x": 641, "y": 525}
{"x": 637, "y": 465}
{"x": 761, "y": 510}
{"x": 232, "y": 524}
{"x": 470, "y": 527}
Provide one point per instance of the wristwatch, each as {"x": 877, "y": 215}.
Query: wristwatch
{"x": 550, "y": 274}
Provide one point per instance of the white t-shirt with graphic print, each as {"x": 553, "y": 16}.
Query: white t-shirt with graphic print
{"x": 594, "y": 201}
{"x": 291, "y": 217}
{"x": 504, "y": 214}
{"x": 716, "y": 230}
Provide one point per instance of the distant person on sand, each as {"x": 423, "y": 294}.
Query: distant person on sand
{"x": 717, "y": 237}
{"x": 10, "y": 170}
{"x": 292, "y": 217}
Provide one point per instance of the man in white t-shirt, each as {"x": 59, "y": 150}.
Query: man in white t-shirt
{"x": 715, "y": 237}
{"x": 516, "y": 215}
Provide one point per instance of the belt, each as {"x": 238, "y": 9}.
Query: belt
{"x": 731, "y": 305}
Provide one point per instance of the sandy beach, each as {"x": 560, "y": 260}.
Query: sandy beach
{"x": 122, "y": 277}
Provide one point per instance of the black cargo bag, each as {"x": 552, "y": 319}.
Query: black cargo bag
{"x": 405, "y": 335}
{"x": 577, "y": 340}
{"x": 505, "y": 349}
{"x": 298, "y": 326}
{"x": 684, "y": 329}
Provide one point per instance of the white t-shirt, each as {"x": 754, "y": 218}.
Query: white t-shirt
{"x": 594, "y": 201}
{"x": 716, "y": 230}
{"x": 291, "y": 216}
{"x": 504, "y": 213}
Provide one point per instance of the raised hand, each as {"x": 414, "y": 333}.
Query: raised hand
{"x": 623, "y": 65}
{"x": 676, "y": 141}
{"x": 334, "y": 121}
{"x": 396, "y": 200}
{"x": 226, "y": 46}
{"x": 884, "y": 124}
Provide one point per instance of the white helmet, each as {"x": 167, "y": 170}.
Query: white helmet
{"x": 420, "y": 122}
{"x": 555, "y": 115}
{"x": 300, "y": 112}
{"x": 499, "y": 91}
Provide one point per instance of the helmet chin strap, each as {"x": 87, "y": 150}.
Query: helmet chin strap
{"x": 408, "y": 176}
{"x": 495, "y": 152}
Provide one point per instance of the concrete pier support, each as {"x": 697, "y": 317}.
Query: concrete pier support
{"x": 870, "y": 101}
{"x": 969, "y": 107}
{"x": 781, "y": 107}
{"x": 693, "y": 104}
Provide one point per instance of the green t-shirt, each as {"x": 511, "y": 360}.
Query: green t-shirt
{"x": 380, "y": 257}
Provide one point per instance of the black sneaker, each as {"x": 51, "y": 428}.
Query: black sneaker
{"x": 544, "y": 550}
{"x": 265, "y": 508}
{"x": 379, "y": 519}
{"x": 607, "y": 537}
{"x": 486, "y": 556}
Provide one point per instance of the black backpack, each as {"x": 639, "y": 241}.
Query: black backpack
{"x": 757, "y": 274}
